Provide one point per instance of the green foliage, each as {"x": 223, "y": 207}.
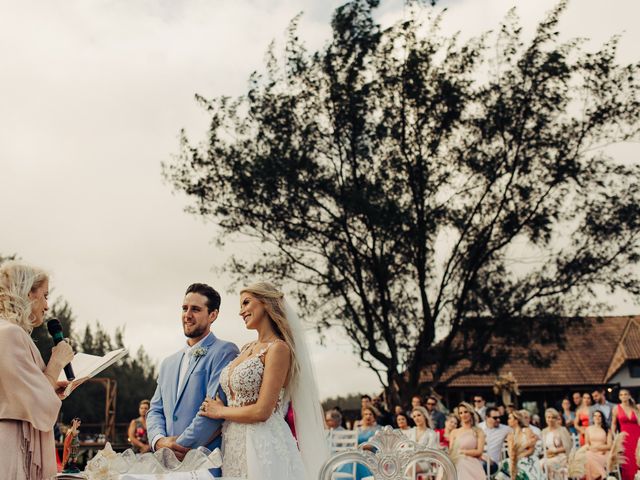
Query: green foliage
{"x": 349, "y": 402}
{"x": 135, "y": 376}
{"x": 439, "y": 201}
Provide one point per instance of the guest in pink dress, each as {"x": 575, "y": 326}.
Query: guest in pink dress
{"x": 626, "y": 415}
{"x": 468, "y": 441}
{"x": 598, "y": 441}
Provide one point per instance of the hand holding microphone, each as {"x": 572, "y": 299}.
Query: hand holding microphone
{"x": 61, "y": 354}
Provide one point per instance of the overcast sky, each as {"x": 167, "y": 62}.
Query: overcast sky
{"x": 93, "y": 95}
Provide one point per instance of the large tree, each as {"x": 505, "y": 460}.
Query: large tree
{"x": 438, "y": 200}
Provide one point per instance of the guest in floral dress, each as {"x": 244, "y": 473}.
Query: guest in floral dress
{"x": 138, "y": 429}
{"x": 522, "y": 463}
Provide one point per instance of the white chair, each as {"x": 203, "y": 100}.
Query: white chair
{"x": 576, "y": 440}
{"x": 487, "y": 462}
{"x": 390, "y": 455}
{"x": 343, "y": 441}
{"x": 504, "y": 452}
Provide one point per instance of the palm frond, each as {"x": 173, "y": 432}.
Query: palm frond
{"x": 576, "y": 463}
{"x": 616, "y": 457}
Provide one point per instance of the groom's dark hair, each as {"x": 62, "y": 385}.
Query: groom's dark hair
{"x": 213, "y": 297}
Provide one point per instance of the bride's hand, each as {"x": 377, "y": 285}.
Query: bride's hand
{"x": 211, "y": 407}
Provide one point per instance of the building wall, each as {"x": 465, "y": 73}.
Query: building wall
{"x": 624, "y": 378}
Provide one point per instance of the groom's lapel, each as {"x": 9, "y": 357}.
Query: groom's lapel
{"x": 193, "y": 361}
{"x": 175, "y": 377}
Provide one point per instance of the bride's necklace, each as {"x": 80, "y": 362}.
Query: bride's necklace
{"x": 260, "y": 345}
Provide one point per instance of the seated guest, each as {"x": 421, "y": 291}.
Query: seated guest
{"x": 402, "y": 423}
{"x": 450, "y": 424}
{"x": 557, "y": 443}
{"x": 137, "y": 432}
{"x": 333, "y": 420}
{"x": 598, "y": 440}
{"x": 526, "y": 416}
{"x": 495, "y": 434}
{"x": 368, "y": 426}
{"x": 468, "y": 444}
{"x": 422, "y": 433}
{"x": 365, "y": 402}
{"x": 437, "y": 417}
{"x": 522, "y": 463}
{"x": 535, "y": 421}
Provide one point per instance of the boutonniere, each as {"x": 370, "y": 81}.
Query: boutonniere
{"x": 199, "y": 352}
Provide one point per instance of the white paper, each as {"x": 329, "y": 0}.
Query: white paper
{"x": 87, "y": 366}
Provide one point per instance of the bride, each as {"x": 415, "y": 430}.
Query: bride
{"x": 257, "y": 443}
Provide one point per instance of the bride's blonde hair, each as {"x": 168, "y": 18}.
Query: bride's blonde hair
{"x": 273, "y": 301}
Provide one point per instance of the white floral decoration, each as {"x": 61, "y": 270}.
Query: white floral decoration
{"x": 199, "y": 352}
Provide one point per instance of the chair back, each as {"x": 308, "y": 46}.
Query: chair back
{"x": 342, "y": 440}
{"x": 389, "y": 455}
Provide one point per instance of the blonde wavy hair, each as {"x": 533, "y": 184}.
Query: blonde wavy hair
{"x": 17, "y": 280}
{"x": 520, "y": 418}
{"x": 273, "y": 301}
{"x": 553, "y": 412}
{"x": 471, "y": 410}
{"x": 425, "y": 414}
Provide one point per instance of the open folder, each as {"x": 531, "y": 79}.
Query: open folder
{"x": 87, "y": 366}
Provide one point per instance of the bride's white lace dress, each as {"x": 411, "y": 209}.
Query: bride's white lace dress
{"x": 256, "y": 451}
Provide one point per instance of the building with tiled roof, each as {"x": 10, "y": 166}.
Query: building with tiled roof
{"x": 606, "y": 354}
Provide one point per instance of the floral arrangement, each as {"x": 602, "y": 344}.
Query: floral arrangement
{"x": 576, "y": 463}
{"x": 506, "y": 385}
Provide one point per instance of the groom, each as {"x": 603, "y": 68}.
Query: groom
{"x": 188, "y": 376}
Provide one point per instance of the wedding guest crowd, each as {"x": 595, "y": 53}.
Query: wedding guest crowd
{"x": 487, "y": 441}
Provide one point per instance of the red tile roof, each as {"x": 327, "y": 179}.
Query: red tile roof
{"x": 591, "y": 357}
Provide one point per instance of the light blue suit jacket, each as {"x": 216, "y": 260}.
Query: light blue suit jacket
{"x": 176, "y": 413}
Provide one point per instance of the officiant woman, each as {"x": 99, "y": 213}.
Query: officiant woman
{"x": 30, "y": 395}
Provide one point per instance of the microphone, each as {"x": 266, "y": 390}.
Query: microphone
{"x": 55, "y": 330}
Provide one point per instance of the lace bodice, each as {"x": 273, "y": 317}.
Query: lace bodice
{"x": 241, "y": 383}
{"x": 274, "y": 451}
